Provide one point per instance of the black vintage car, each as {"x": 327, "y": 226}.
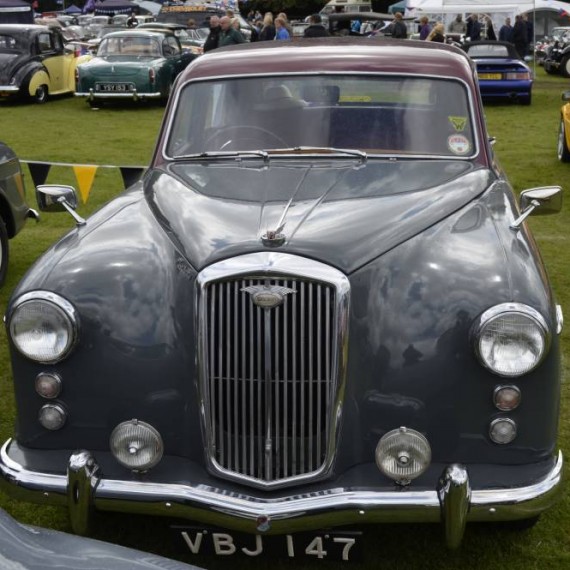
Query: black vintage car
{"x": 322, "y": 306}
{"x": 34, "y": 62}
{"x": 557, "y": 56}
{"x": 14, "y": 209}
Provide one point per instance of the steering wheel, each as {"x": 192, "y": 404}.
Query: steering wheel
{"x": 243, "y": 137}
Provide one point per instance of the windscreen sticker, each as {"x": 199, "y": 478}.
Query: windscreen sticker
{"x": 458, "y": 123}
{"x": 458, "y": 144}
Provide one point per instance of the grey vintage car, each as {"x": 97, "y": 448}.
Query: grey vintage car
{"x": 322, "y": 306}
{"x": 14, "y": 209}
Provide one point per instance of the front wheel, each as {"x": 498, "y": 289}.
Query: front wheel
{"x": 562, "y": 147}
{"x": 3, "y": 251}
{"x": 41, "y": 94}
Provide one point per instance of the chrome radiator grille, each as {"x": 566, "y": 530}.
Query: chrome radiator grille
{"x": 270, "y": 380}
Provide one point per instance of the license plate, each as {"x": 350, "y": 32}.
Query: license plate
{"x": 325, "y": 545}
{"x": 490, "y": 76}
{"x": 114, "y": 87}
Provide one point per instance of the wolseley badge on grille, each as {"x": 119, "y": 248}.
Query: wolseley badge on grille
{"x": 268, "y": 296}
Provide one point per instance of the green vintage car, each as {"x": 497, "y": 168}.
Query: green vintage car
{"x": 132, "y": 64}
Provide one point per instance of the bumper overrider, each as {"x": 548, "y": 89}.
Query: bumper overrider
{"x": 452, "y": 502}
{"x": 133, "y": 95}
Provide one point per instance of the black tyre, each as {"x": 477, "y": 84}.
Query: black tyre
{"x": 3, "y": 251}
{"x": 550, "y": 70}
{"x": 565, "y": 66}
{"x": 562, "y": 148}
{"x": 41, "y": 94}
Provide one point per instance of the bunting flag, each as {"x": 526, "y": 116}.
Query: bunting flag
{"x": 131, "y": 174}
{"x": 39, "y": 171}
{"x": 84, "y": 174}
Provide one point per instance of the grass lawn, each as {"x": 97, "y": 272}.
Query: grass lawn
{"x": 67, "y": 130}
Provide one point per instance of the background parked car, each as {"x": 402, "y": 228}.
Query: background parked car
{"x": 34, "y": 63}
{"x": 503, "y": 75}
{"x": 132, "y": 65}
{"x": 14, "y": 209}
{"x": 563, "y": 147}
{"x": 557, "y": 58}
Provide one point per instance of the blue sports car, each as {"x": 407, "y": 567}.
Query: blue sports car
{"x": 502, "y": 74}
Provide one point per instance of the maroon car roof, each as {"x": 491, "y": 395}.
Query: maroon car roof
{"x": 334, "y": 55}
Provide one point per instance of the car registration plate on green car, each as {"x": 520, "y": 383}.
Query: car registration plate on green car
{"x": 114, "y": 87}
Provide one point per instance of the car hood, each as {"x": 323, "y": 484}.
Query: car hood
{"x": 9, "y": 62}
{"x": 341, "y": 212}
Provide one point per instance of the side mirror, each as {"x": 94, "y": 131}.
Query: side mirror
{"x": 55, "y": 198}
{"x": 543, "y": 201}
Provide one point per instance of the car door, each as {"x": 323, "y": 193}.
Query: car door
{"x": 58, "y": 63}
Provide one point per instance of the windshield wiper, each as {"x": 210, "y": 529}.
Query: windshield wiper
{"x": 350, "y": 151}
{"x": 223, "y": 154}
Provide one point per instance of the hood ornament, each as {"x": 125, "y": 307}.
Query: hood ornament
{"x": 273, "y": 238}
{"x": 268, "y": 296}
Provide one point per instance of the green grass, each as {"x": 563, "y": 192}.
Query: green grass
{"x": 67, "y": 130}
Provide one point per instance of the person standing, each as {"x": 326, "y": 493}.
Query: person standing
{"x": 424, "y": 27}
{"x": 132, "y": 21}
{"x": 213, "y": 39}
{"x": 281, "y": 32}
{"x": 520, "y": 36}
{"x": 268, "y": 29}
{"x": 473, "y": 30}
{"x": 457, "y": 26}
{"x": 315, "y": 29}
{"x": 399, "y": 29}
{"x": 490, "y": 29}
{"x": 229, "y": 36}
{"x": 506, "y": 31}
{"x": 437, "y": 34}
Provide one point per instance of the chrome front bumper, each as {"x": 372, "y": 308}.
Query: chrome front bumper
{"x": 453, "y": 502}
{"x": 93, "y": 95}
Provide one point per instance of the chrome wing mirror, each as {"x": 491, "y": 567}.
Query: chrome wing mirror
{"x": 539, "y": 201}
{"x": 55, "y": 198}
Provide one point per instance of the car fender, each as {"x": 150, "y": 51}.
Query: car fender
{"x": 39, "y": 76}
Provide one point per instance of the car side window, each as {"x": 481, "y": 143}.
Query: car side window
{"x": 44, "y": 42}
{"x": 170, "y": 47}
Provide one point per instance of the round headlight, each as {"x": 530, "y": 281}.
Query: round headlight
{"x": 511, "y": 339}
{"x": 43, "y": 326}
{"x": 403, "y": 454}
{"x": 52, "y": 416}
{"x": 136, "y": 445}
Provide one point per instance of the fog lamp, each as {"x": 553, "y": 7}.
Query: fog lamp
{"x": 48, "y": 385}
{"x": 507, "y": 398}
{"x": 52, "y": 416}
{"x": 136, "y": 445}
{"x": 403, "y": 454}
{"x": 503, "y": 430}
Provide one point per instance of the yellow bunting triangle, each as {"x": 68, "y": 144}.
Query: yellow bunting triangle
{"x": 85, "y": 176}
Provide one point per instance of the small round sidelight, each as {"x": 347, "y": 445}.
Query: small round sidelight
{"x": 403, "y": 454}
{"x": 507, "y": 398}
{"x": 136, "y": 445}
{"x": 502, "y": 430}
{"x": 52, "y": 416}
{"x": 48, "y": 385}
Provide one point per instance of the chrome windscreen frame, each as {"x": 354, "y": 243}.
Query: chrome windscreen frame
{"x": 273, "y": 265}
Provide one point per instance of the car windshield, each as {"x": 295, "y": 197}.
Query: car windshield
{"x": 129, "y": 45}
{"x": 488, "y": 50}
{"x": 377, "y": 114}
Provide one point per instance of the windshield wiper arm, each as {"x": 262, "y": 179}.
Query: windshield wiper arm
{"x": 228, "y": 154}
{"x": 350, "y": 151}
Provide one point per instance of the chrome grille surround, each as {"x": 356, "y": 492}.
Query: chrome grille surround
{"x": 253, "y": 405}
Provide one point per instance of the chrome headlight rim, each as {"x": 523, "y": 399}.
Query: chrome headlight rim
{"x": 68, "y": 310}
{"x": 504, "y": 309}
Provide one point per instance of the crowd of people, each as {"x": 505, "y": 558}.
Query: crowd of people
{"x": 226, "y": 31}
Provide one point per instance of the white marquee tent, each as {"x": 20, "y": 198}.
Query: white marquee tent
{"x": 498, "y": 10}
